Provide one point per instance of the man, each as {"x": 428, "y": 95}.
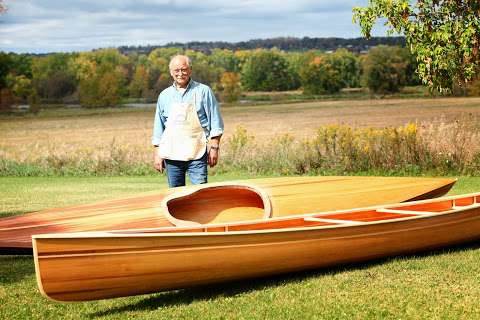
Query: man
{"x": 187, "y": 116}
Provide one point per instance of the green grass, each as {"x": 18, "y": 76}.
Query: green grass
{"x": 440, "y": 284}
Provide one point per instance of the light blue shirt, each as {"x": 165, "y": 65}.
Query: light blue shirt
{"x": 207, "y": 109}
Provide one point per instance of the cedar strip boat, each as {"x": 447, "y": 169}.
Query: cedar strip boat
{"x": 99, "y": 265}
{"x": 219, "y": 202}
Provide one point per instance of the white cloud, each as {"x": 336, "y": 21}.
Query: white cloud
{"x": 47, "y": 25}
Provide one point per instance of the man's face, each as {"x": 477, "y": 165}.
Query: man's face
{"x": 180, "y": 72}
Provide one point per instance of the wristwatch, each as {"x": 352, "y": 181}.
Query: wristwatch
{"x": 215, "y": 147}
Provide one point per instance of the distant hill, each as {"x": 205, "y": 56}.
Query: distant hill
{"x": 287, "y": 44}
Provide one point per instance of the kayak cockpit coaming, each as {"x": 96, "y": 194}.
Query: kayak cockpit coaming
{"x": 216, "y": 203}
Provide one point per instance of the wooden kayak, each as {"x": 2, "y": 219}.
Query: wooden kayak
{"x": 219, "y": 202}
{"x": 99, "y": 265}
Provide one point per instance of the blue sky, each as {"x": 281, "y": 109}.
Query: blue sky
{"x": 42, "y": 26}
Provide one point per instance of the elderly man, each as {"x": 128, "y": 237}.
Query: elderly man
{"x": 187, "y": 116}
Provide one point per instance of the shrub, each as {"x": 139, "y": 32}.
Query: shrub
{"x": 384, "y": 69}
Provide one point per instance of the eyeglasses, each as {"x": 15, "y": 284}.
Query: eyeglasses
{"x": 183, "y": 70}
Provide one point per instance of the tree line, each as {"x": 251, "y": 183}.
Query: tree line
{"x": 105, "y": 77}
{"x": 357, "y": 45}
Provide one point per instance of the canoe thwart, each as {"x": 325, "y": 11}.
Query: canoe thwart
{"x": 412, "y": 212}
{"x": 334, "y": 221}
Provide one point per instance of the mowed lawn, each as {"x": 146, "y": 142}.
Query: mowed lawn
{"x": 441, "y": 284}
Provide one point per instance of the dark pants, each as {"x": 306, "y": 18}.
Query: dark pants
{"x": 196, "y": 169}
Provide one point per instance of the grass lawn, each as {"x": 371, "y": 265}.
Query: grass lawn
{"x": 435, "y": 285}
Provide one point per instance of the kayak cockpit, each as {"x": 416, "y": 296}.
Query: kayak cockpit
{"x": 217, "y": 204}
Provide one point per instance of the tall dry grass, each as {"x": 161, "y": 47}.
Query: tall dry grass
{"x": 438, "y": 147}
{"x": 434, "y": 148}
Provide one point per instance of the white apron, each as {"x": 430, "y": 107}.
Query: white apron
{"x": 184, "y": 138}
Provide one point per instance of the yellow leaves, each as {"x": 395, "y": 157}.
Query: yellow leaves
{"x": 85, "y": 67}
{"x": 317, "y": 61}
{"x": 411, "y": 129}
{"x": 240, "y": 138}
{"x": 230, "y": 85}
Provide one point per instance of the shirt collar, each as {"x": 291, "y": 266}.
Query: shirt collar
{"x": 189, "y": 84}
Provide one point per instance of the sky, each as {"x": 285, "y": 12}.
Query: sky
{"x": 42, "y": 26}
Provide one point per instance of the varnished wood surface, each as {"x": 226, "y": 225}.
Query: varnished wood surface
{"x": 128, "y": 213}
{"x": 297, "y": 196}
{"x": 220, "y": 202}
{"x": 77, "y": 267}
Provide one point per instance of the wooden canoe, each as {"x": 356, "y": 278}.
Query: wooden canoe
{"x": 99, "y": 265}
{"x": 219, "y": 202}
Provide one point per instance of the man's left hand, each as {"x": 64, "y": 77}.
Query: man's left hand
{"x": 213, "y": 157}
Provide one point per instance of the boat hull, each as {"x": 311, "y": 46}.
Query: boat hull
{"x": 82, "y": 267}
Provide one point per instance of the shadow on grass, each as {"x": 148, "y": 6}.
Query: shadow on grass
{"x": 15, "y": 268}
{"x": 231, "y": 289}
{"x": 11, "y": 213}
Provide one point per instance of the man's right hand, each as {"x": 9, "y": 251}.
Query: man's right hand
{"x": 158, "y": 162}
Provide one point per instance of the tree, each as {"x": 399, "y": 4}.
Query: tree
{"x": 101, "y": 76}
{"x": 319, "y": 76}
{"x": 295, "y": 61}
{"x": 348, "y": 67}
{"x": 108, "y": 89}
{"x": 138, "y": 87}
{"x": 230, "y": 86}
{"x": 21, "y": 86}
{"x": 443, "y": 35}
{"x": 266, "y": 70}
{"x": 3, "y": 8}
{"x": 411, "y": 75}
{"x": 34, "y": 102}
{"x": 21, "y": 64}
{"x": 7, "y": 99}
{"x": 206, "y": 74}
{"x": 384, "y": 69}
{"x": 53, "y": 77}
{"x": 224, "y": 59}
{"x": 5, "y": 63}
{"x": 163, "y": 82}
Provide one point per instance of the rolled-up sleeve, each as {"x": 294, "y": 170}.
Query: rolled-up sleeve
{"x": 158, "y": 124}
{"x": 216, "y": 121}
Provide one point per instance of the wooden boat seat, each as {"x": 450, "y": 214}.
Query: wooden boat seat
{"x": 217, "y": 203}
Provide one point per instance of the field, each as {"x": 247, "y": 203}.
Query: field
{"x": 442, "y": 284}
{"x": 116, "y": 137}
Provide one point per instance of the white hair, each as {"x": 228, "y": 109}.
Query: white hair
{"x": 180, "y": 56}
